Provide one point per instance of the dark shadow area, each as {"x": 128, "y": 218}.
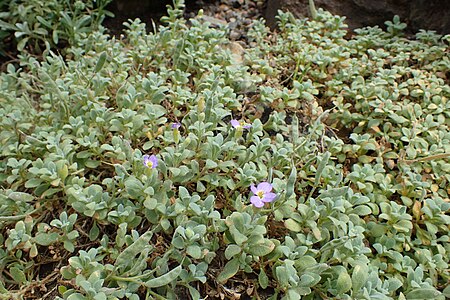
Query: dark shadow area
{"x": 417, "y": 14}
{"x": 149, "y": 12}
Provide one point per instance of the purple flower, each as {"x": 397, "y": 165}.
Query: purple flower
{"x": 238, "y": 124}
{"x": 150, "y": 161}
{"x": 176, "y": 125}
{"x": 262, "y": 194}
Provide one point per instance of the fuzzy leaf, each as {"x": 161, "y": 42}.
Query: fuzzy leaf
{"x": 359, "y": 276}
{"x": 19, "y": 196}
{"x": 422, "y": 293}
{"x": 261, "y": 249}
{"x": 322, "y": 164}
{"x": 292, "y": 225}
{"x": 263, "y": 279}
{"x": 344, "y": 283}
{"x": 232, "y": 250}
{"x": 18, "y": 275}
{"x": 230, "y": 269}
{"x": 101, "y": 61}
{"x": 45, "y": 239}
{"x": 126, "y": 257}
{"x": 164, "y": 279}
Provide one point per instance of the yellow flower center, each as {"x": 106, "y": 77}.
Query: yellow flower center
{"x": 149, "y": 164}
{"x": 260, "y": 194}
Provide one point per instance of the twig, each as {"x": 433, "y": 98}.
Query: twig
{"x": 18, "y": 217}
{"x": 51, "y": 291}
{"x": 428, "y": 158}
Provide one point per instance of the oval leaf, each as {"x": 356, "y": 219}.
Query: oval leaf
{"x": 101, "y": 61}
{"x": 261, "y": 249}
{"x": 19, "y": 196}
{"x": 18, "y": 275}
{"x": 423, "y": 293}
{"x": 45, "y": 239}
{"x": 229, "y": 270}
{"x": 126, "y": 257}
{"x": 344, "y": 283}
{"x": 359, "y": 276}
{"x": 164, "y": 279}
{"x": 263, "y": 279}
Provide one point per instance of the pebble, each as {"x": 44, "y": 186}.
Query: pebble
{"x": 235, "y": 35}
{"x": 232, "y": 25}
{"x": 236, "y": 4}
{"x": 214, "y": 20}
{"x": 224, "y": 7}
{"x": 237, "y": 14}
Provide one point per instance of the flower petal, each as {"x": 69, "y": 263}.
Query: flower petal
{"x": 235, "y": 123}
{"x": 146, "y": 159}
{"x": 154, "y": 161}
{"x": 253, "y": 189}
{"x": 265, "y": 187}
{"x": 256, "y": 201}
{"x": 269, "y": 197}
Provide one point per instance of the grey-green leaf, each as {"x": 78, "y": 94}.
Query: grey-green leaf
{"x": 261, "y": 249}
{"x": 17, "y": 274}
{"x": 19, "y": 196}
{"x": 290, "y": 186}
{"x": 344, "y": 283}
{"x": 100, "y": 63}
{"x": 45, "y": 239}
{"x": 232, "y": 250}
{"x": 263, "y": 279}
{"x": 164, "y": 279}
{"x": 422, "y": 293}
{"x": 322, "y": 164}
{"x": 229, "y": 270}
{"x": 359, "y": 276}
{"x": 126, "y": 257}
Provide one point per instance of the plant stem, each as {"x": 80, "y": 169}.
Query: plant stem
{"x": 18, "y": 217}
{"x": 428, "y": 158}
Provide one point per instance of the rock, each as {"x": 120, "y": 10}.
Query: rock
{"x": 214, "y": 21}
{"x": 237, "y": 51}
{"x": 235, "y": 35}
{"x": 236, "y": 4}
{"x": 224, "y": 7}
{"x": 233, "y": 25}
{"x": 418, "y": 14}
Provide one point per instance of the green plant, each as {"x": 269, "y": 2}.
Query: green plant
{"x": 140, "y": 168}
{"x": 38, "y": 26}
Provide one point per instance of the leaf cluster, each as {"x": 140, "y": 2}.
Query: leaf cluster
{"x": 34, "y": 26}
{"x": 351, "y": 133}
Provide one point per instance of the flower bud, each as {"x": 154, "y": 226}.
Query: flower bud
{"x": 201, "y": 104}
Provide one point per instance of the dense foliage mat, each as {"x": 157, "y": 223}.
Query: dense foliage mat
{"x": 35, "y": 25}
{"x": 180, "y": 164}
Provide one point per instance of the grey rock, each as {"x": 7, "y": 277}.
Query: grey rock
{"x": 234, "y": 35}
{"x": 418, "y": 14}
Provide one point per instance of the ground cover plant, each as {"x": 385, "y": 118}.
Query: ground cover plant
{"x": 178, "y": 164}
{"x": 36, "y": 25}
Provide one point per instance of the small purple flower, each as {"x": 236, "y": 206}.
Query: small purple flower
{"x": 262, "y": 194}
{"x": 176, "y": 125}
{"x": 240, "y": 124}
{"x": 150, "y": 161}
